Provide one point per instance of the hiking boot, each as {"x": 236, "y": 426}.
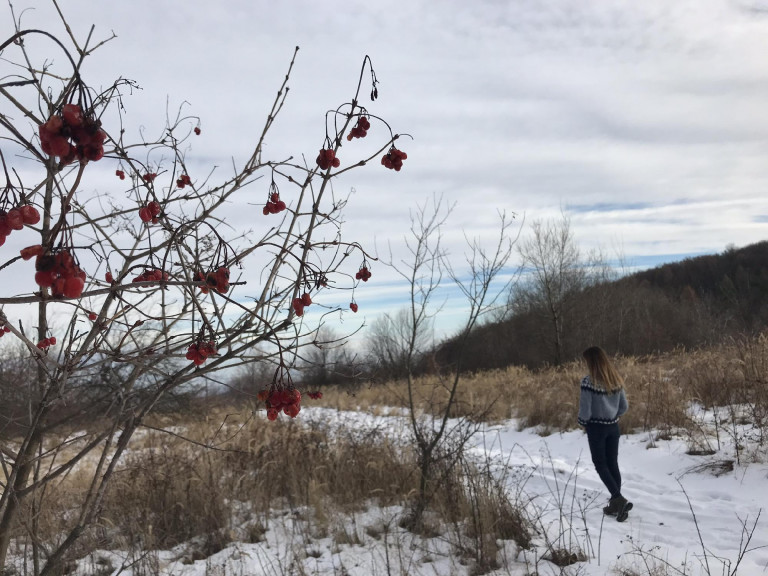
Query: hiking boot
{"x": 617, "y": 505}
{"x": 613, "y": 507}
{"x": 624, "y": 506}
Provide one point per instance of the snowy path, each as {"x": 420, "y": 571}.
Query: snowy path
{"x": 661, "y": 522}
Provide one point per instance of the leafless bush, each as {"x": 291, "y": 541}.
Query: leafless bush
{"x": 138, "y": 291}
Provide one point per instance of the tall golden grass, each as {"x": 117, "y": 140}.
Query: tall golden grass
{"x": 660, "y": 389}
{"x": 208, "y": 484}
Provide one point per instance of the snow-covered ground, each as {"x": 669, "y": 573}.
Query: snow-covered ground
{"x": 554, "y": 476}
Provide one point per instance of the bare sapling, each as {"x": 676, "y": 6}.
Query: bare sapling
{"x": 439, "y": 441}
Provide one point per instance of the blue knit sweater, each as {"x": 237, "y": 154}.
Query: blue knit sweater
{"x": 597, "y": 406}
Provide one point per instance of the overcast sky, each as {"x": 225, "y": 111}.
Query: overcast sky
{"x": 646, "y": 122}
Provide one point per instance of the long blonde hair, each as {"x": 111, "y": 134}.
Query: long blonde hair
{"x": 601, "y": 369}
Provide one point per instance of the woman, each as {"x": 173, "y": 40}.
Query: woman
{"x": 601, "y": 404}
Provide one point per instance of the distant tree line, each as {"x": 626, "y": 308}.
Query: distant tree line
{"x": 694, "y": 302}
{"x": 566, "y": 300}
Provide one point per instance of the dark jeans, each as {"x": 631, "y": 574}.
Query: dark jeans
{"x": 604, "y": 447}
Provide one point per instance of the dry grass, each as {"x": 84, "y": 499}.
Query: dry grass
{"x": 220, "y": 484}
{"x": 660, "y": 389}
{"x": 548, "y": 398}
{"x": 184, "y": 490}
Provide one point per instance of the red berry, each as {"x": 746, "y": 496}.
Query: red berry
{"x": 92, "y": 316}
{"x": 30, "y": 251}
{"x": 272, "y": 414}
{"x": 52, "y": 340}
{"x": 93, "y": 152}
{"x": 306, "y": 299}
{"x": 199, "y": 276}
{"x": 154, "y": 208}
{"x": 222, "y": 279}
{"x": 29, "y": 214}
{"x": 265, "y": 210}
{"x": 58, "y": 286}
{"x": 353, "y": 306}
{"x": 292, "y": 410}
{"x": 109, "y": 278}
{"x": 274, "y": 197}
{"x": 54, "y": 125}
{"x": 45, "y": 278}
{"x": 298, "y": 306}
{"x": 15, "y": 219}
{"x": 73, "y": 287}
{"x": 197, "y": 130}
{"x": 69, "y": 156}
{"x": 145, "y": 214}
{"x": 73, "y": 115}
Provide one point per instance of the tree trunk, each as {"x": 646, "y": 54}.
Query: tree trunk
{"x": 24, "y": 463}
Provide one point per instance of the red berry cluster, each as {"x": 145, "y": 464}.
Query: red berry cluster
{"x": 150, "y": 212}
{"x": 197, "y": 130}
{"x": 152, "y": 275}
{"x": 274, "y": 204}
{"x": 361, "y": 128}
{"x": 120, "y": 174}
{"x": 16, "y": 219}
{"x": 199, "y": 352}
{"x": 315, "y": 395}
{"x": 287, "y": 399}
{"x": 84, "y": 130}
{"x": 60, "y": 273}
{"x": 46, "y": 343}
{"x": 217, "y": 280}
{"x": 300, "y": 303}
{"x": 394, "y": 159}
{"x": 353, "y": 306}
{"x": 327, "y": 158}
{"x": 149, "y": 177}
{"x": 362, "y": 274}
{"x": 183, "y": 180}
{"x": 4, "y": 331}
